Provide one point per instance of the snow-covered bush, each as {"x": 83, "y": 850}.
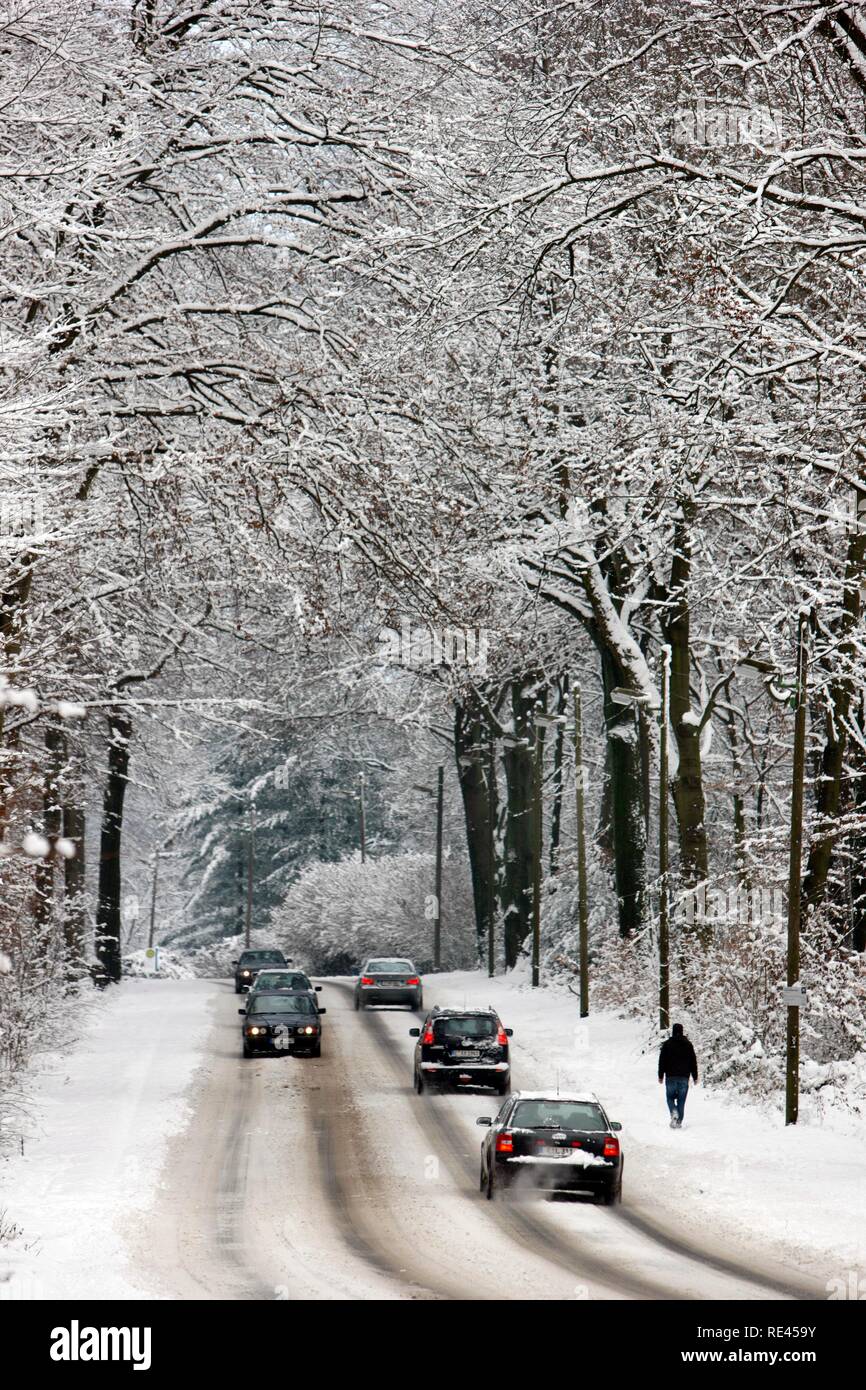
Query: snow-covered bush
{"x": 172, "y": 966}
{"x": 728, "y": 994}
{"x": 337, "y": 913}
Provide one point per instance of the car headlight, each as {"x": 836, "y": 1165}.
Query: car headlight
{"x": 245, "y": 972}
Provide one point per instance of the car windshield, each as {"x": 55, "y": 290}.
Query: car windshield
{"x": 470, "y": 1026}
{"x": 389, "y": 967}
{"x": 277, "y": 979}
{"x": 282, "y": 1004}
{"x": 262, "y": 958}
{"x": 558, "y": 1114}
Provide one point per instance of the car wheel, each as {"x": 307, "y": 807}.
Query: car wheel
{"x": 418, "y": 1084}
{"x": 419, "y": 1004}
{"x": 316, "y": 1051}
{"x": 482, "y": 1181}
{"x": 490, "y": 1186}
{"x": 503, "y": 1088}
{"x": 357, "y": 1003}
{"x": 613, "y": 1196}
{"x": 247, "y": 1051}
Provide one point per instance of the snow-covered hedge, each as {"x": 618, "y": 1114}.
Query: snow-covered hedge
{"x": 335, "y": 914}
{"x": 728, "y": 994}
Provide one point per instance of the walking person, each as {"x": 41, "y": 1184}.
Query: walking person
{"x": 677, "y": 1063}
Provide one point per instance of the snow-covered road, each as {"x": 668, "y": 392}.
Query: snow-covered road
{"x": 167, "y": 1166}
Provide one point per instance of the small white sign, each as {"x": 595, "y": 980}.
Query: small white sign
{"x": 151, "y": 958}
{"x": 794, "y": 996}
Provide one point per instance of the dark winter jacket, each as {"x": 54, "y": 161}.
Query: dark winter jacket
{"x": 677, "y": 1058}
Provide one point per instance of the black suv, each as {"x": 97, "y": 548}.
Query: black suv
{"x": 556, "y": 1143}
{"x": 460, "y": 1047}
{"x": 251, "y": 962}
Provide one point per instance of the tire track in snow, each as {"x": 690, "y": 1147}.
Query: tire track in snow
{"x": 562, "y": 1249}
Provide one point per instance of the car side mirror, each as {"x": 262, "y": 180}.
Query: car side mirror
{"x": 615, "y": 1126}
{"x": 509, "y": 1032}
{"x": 323, "y": 1011}
{"x": 317, "y": 988}
{"x": 241, "y": 1011}
{"x": 484, "y": 1120}
{"x": 414, "y": 1032}
{"x": 234, "y": 962}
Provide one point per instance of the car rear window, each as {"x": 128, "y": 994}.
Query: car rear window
{"x": 261, "y": 957}
{"x": 472, "y": 1026}
{"x": 282, "y": 1004}
{"x": 276, "y": 979}
{"x": 389, "y": 967}
{"x": 558, "y": 1114}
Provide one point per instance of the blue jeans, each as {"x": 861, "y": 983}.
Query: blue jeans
{"x": 676, "y": 1090}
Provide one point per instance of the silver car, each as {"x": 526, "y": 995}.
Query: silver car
{"x": 388, "y": 980}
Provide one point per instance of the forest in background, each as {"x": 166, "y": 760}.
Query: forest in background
{"x": 374, "y": 378}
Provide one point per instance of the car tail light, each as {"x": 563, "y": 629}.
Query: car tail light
{"x": 502, "y": 1038}
{"x": 428, "y": 1036}
{"x": 366, "y": 980}
{"x": 576, "y": 1143}
{"x": 413, "y": 981}
{"x": 505, "y": 1143}
{"x": 611, "y": 1147}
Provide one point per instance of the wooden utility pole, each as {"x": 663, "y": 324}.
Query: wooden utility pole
{"x": 363, "y": 828}
{"x": 664, "y": 900}
{"x": 583, "y": 904}
{"x": 491, "y": 855}
{"x": 437, "y": 928}
{"x": 792, "y": 1055}
{"x": 251, "y": 852}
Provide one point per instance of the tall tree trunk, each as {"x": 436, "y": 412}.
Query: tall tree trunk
{"x": 520, "y": 842}
{"x": 45, "y": 913}
{"x": 828, "y": 789}
{"x": 627, "y": 814}
{"x": 73, "y": 884}
{"x": 558, "y": 751}
{"x": 687, "y": 785}
{"x": 472, "y": 742}
{"x": 108, "y": 915}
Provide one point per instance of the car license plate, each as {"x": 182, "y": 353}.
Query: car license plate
{"x": 548, "y": 1151}
{"x": 461, "y": 1052}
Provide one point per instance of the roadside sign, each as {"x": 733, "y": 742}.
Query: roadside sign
{"x": 794, "y": 996}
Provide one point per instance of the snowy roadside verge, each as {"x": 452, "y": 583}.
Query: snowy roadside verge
{"x": 100, "y": 1119}
{"x": 734, "y": 1174}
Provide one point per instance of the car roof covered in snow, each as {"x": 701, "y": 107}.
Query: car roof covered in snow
{"x": 583, "y": 1097}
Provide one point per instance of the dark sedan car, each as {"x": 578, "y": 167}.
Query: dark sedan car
{"x": 388, "y": 980}
{"x": 250, "y": 962}
{"x": 460, "y": 1047}
{"x": 282, "y": 1022}
{"x": 561, "y": 1143}
{"x": 272, "y": 978}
